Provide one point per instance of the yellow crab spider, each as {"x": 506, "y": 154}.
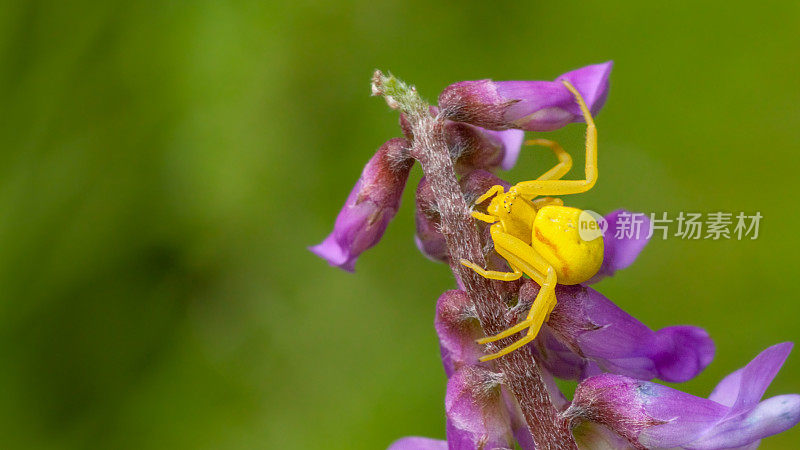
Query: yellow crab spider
{"x": 541, "y": 238}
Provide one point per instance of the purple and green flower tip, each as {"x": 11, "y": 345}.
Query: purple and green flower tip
{"x": 526, "y": 105}
{"x": 655, "y": 416}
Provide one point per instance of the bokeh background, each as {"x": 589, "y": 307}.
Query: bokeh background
{"x": 163, "y": 166}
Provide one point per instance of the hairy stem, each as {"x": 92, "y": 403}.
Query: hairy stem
{"x": 521, "y": 374}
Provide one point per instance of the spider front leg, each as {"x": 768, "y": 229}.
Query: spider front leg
{"x": 554, "y": 186}
{"x": 523, "y": 259}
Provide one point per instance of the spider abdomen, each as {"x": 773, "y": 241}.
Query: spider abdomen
{"x": 576, "y": 256}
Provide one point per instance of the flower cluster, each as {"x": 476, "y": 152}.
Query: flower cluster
{"x": 485, "y": 145}
{"x": 587, "y": 338}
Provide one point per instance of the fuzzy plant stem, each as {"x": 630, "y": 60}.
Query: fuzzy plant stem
{"x": 521, "y": 375}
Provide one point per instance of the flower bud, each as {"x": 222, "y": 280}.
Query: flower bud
{"x": 527, "y": 105}
{"x": 370, "y": 207}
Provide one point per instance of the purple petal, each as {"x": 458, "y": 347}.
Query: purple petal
{"x": 592, "y": 83}
{"x": 547, "y": 106}
{"x": 681, "y": 352}
{"x": 418, "y": 443}
{"x": 476, "y": 414}
{"x": 596, "y": 329}
{"x": 539, "y": 105}
{"x": 372, "y": 203}
{"x": 562, "y": 362}
{"x": 687, "y": 417}
{"x": 458, "y": 328}
{"x": 511, "y": 141}
{"x": 745, "y": 387}
{"x": 747, "y": 420}
{"x": 625, "y": 236}
{"x": 772, "y": 416}
{"x": 527, "y": 105}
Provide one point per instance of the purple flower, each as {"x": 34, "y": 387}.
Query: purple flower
{"x": 372, "y": 203}
{"x": 590, "y": 334}
{"x": 527, "y": 105}
{"x": 512, "y": 143}
{"x": 655, "y": 416}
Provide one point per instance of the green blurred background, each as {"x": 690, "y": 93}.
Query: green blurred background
{"x": 165, "y": 164}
